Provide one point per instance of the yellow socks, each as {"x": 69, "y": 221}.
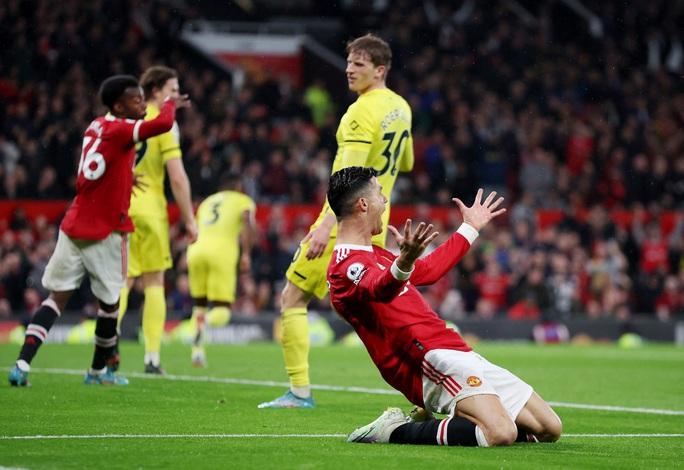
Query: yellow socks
{"x": 154, "y": 317}
{"x": 295, "y": 338}
{"x": 123, "y": 306}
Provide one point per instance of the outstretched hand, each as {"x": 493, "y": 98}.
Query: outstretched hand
{"x": 182, "y": 101}
{"x": 139, "y": 184}
{"x": 480, "y": 213}
{"x": 412, "y": 244}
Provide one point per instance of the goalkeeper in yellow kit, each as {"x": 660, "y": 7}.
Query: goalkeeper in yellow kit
{"x": 150, "y": 253}
{"x": 374, "y": 132}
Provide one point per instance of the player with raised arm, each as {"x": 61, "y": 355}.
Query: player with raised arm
{"x": 92, "y": 236}
{"x": 375, "y": 132}
{"x": 226, "y": 225}
{"x": 150, "y": 253}
{"x": 376, "y": 292}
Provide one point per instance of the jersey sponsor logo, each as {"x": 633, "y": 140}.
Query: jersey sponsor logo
{"x": 474, "y": 381}
{"x": 403, "y": 291}
{"x": 355, "y": 272}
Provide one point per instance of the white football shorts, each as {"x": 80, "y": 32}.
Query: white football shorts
{"x": 450, "y": 376}
{"x": 103, "y": 260}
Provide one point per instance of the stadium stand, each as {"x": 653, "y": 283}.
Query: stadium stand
{"x": 582, "y": 130}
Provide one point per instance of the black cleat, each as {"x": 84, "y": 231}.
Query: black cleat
{"x": 152, "y": 369}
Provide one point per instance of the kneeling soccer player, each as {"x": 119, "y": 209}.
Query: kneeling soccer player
{"x": 375, "y": 291}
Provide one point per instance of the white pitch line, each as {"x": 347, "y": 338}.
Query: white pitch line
{"x": 170, "y": 436}
{"x": 583, "y": 406}
{"x": 339, "y": 388}
{"x": 621, "y": 435}
{"x": 269, "y": 436}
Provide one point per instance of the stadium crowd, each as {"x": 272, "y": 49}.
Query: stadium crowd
{"x": 551, "y": 120}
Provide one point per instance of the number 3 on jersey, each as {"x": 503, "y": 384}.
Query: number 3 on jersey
{"x": 214, "y": 214}
{"x": 92, "y": 164}
{"x": 392, "y": 154}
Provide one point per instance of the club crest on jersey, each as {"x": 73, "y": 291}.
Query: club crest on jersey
{"x": 355, "y": 272}
{"x": 474, "y": 381}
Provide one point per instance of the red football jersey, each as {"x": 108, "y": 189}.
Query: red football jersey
{"x": 391, "y": 317}
{"x": 105, "y": 174}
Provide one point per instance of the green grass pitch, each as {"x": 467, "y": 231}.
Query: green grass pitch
{"x": 190, "y": 421}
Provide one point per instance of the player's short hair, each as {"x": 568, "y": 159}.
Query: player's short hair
{"x": 156, "y": 77}
{"x": 115, "y": 86}
{"x": 375, "y": 47}
{"x": 345, "y": 187}
{"x": 230, "y": 180}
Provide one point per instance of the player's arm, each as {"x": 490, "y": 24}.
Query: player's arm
{"x": 180, "y": 187}
{"x": 163, "y": 122}
{"x": 433, "y": 267}
{"x": 364, "y": 281}
{"x": 360, "y": 279}
{"x": 247, "y": 236}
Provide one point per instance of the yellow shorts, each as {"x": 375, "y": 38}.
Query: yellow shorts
{"x": 212, "y": 275}
{"x": 310, "y": 274}
{"x": 149, "y": 246}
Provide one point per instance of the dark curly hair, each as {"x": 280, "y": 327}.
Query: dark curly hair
{"x": 345, "y": 186}
{"x": 114, "y": 87}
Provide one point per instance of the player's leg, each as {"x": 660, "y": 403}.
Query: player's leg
{"x": 295, "y": 337}
{"x": 539, "y": 419}
{"x": 395, "y": 428}
{"x": 199, "y": 310}
{"x": 534, "y": 419}
{"x": 105, "y": 262}
{"x": 63, "y": 274}
{"x": 133, "y": 270}
{"x": 221, "y": 287}
{"x": 36, "y": 333}
{"x": 154, "y": 258}
{"x": 493, "y": 425}
{"x": 132, "y": 261}
{"x": 294, "y": 327}
{"x": 456, "y": 383}
{"x": 197, "y": 280}
{"x": 480, "y": 420}
{"x": 153, "y": 320}
{"x": 105, "y": 343}
{"x": 123, "y": 299}
{"x": 305, "y": 278}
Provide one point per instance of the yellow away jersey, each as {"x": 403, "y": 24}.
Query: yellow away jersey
{"x": 150, "y": 162}
{"x": 219, "y": 220}
{"x": 375, "y": 132}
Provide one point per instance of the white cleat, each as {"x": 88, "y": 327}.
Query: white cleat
{"x": 379, "y": 431}
{"x": 198, "y": 357}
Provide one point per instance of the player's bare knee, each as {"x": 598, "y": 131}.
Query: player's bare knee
{"x": 503, "y": 434}
{"x": 553, "y": 429}
{"x": 292, "y": 297}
